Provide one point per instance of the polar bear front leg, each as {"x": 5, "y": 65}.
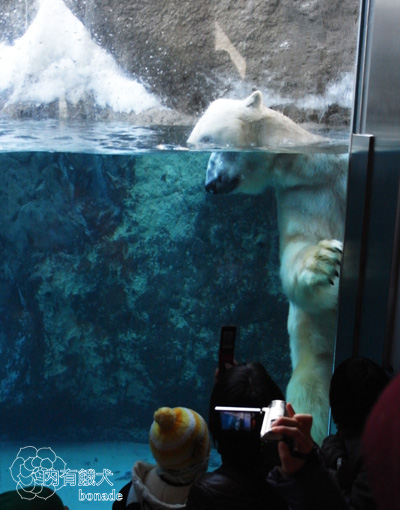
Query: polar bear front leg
{"x": 308, "y": 392}
{"x": 312, "y": 339}
{"x": 310, "y": 273}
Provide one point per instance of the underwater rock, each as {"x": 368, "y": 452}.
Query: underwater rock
{"x": 117, "y": 274}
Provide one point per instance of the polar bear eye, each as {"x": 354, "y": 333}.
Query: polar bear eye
{"x": 206, "y": 139}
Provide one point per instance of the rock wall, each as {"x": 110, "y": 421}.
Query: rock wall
{"x": 189, "y": 52}
{"x": 292, "y": 47}
{"x": 117, "y": 273}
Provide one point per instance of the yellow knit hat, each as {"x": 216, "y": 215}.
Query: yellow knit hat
{"x": 179, "y": 438}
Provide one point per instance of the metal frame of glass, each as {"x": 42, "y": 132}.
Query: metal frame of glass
{"x": 368, "y": 298}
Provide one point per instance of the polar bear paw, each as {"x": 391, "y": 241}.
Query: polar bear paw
{"x": 321, "y": 264}
{"x": 310, "y": 278}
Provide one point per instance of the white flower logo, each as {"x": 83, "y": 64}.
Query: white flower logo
{"x": 34, "y": 469}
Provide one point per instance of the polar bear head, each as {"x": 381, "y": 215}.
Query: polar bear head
{"x": 229, "y": 123}
{"x": 232, "y": 123}
{"x": 245, "y": 124}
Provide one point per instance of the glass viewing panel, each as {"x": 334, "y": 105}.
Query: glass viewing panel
{"x": 118, "y": 267}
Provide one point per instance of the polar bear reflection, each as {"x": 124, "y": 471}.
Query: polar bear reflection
{"x": 310, "y": 191}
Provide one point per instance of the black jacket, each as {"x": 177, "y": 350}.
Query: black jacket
{"x": 233, "y": 488}
{"x": 343, "y": 459}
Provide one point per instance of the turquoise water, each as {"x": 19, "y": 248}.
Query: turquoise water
{"x": 118, "y": 270}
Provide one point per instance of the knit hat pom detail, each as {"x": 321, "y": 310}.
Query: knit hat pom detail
{"x": 165, "y": 418}
{"x": 179, "y": 438}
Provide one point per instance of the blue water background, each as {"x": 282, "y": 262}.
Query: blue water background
{"x": 117, "y": 272}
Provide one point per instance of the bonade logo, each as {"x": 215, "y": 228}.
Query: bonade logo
{"x": 34, "y": 469}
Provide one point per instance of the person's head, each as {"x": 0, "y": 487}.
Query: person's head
{"x": 243, "y": 385}
{"x": 31, "y": 498}
{"x": 355, "y": 387}
{"x": 381, "y": 447}
{"x": 180, "y": 443}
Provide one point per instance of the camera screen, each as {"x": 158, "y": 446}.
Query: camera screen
{"x": 239, "y": 420}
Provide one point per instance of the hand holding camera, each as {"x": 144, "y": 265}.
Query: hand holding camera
{"x": 277, "y": 422}
{"x": 297, "y": 428}
{"x": 253, "y": 419}
{"x": 272, "y": 413}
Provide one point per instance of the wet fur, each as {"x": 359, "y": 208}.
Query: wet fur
{"x": 310, "y": 192}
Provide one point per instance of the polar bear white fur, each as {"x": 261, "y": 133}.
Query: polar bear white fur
{"x": 310, "y": 191}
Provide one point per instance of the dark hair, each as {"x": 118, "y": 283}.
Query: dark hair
{"x": 22, "y": 498}
{"x": 244, "y": 385}
{"x": 355, "y": 387}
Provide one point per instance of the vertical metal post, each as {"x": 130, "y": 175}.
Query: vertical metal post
{"x": 353, "y": 263}
{"x": 369, "y": 277}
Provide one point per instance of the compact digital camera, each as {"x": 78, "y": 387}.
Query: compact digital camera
{"x": 249, "y": 419}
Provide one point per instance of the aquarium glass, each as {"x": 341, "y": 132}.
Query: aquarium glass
{"x": 117, "y": 268}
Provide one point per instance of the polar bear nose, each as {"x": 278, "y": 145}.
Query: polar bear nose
{"x": 221, "y": 186}
{"x": 219, "y": 176}
{"x": 211, "y": 186}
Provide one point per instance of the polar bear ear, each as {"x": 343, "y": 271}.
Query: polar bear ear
{"x": 255, "y": 100}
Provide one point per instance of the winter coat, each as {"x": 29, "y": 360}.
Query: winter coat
{"x": 148, "y": 491}
{"x": 310, "y": 488}
{"x": 342, "y": 456}
{"x": 231, "y": 487}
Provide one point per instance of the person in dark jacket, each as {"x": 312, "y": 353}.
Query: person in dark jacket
{"x": 381, "y": 447}
{"x": 239, "y": 483}
{"x": 302, "y": 479}
{"x": 355, "y": 387}
{"x": 31, "y": 498}
{"x": 257, "y": 475}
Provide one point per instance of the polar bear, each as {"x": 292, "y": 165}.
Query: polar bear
{"x": 310, "y": 190}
